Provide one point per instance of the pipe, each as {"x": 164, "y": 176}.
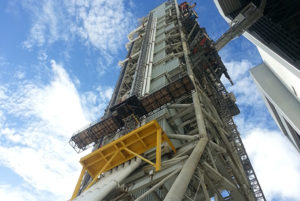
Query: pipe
{"x": 148, "y": 60}
{"x": 151, "y": 59}
{"x": 135, "y": 39}
{"x": 199, "y": 116}
{"x": 217, "y": 147}
{"x": 130, "y": 35}
{"x": 173, "y": 106}
{"x": 183, "y": 137}
{"x": 217, "y": 195}
{"x": 218, "y": 177}
{"x": 185, "y": 112}
{"x": 202, "y": 182}
{"x": 180, "y": 185}
{"x": 121, "y": 63}
{"x": 105, "y": 185}
{"x": 157, "y": 185}
{"x": 185, "y": 150}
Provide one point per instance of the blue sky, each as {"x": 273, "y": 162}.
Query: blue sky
{"x": 58, "y": 67}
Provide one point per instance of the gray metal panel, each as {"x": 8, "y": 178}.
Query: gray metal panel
{"x": 159, "y": 11}
{"x": 165, "y": 67}
{"x": 276, "y": 93}
{"x": 157, "y": 115}
{"x": 160, "y": 37}
{"x": 160, "y": 31}
{"x": 169, "y": 27}
{"x": 158, "y": 83}
{"x": 159, "y": 46}
{"x": 161, "y": 24}
{"x": 159, "y": 56}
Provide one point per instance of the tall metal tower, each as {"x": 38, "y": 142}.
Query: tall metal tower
{"x": 168, "y": 132}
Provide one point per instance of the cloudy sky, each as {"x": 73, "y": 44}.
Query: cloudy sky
{"x": 58, "y": 67}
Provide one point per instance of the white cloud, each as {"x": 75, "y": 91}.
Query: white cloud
{"x": 276, "y": 163}
{"x": 243, "y": 86}
{"x": 3, "y": 61}
{"x": 96, "y": 102}
{"x": 12, "y": 193}
{"x": 102, "y": 24}
{"x": 19, "y": 75}
{"x": 36, "y": 123}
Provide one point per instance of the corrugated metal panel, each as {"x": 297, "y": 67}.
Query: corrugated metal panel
{"x": 168, "y": 6}
{"x": 159, "y": 46}
{"x": 165, "y": 67}
{"x": 157, "y": 115}
{"x": 161, "y": 25}
{"x": 157, "y": 83}
{"x": 159, "y": 11}
{"x": 159, "y": 56}
{"x": 170, "y": 26}
{"x": 160, "y": 31}
{"x": 160, "y": 37}
{"x": 172, "y": 64}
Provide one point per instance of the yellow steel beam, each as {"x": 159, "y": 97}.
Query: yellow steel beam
{"x": 77, "y": 187}
{"x": 131, "y": 145}
{"x": 158, "y": 149}
{"x": 139, "y": 156}
{"x": 165, "y": 138}
{"x": 101, "y": 171}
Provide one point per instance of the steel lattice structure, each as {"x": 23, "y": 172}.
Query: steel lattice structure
{"x": 170, "y": 79}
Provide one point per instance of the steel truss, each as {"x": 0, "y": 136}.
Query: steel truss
{"x": 210, "y": 161}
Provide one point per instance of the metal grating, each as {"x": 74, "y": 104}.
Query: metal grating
{"x": 167, "y": 94}
{"x": 86, "y": 137}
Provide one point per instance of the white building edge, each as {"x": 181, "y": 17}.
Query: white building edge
{"x": 277, "y": 79}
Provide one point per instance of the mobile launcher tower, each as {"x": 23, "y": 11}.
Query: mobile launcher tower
{"x": 167, "y": 133}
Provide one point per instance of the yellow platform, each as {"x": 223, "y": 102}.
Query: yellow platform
{"x": 123, "y": 149}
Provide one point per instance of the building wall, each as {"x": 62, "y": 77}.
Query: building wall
{"x": 277, "y": 79}
{"x": 283, "y": 70}
{"x": 283, "y": 106}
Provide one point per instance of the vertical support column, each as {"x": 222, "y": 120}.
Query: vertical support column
{"x": 180, "y": 185}
{"x": 158, "y": 150}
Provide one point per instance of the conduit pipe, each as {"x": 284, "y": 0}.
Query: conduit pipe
{"x": 157, "y": 185}
{"x": 174, "y": 106}
{"x": 148, "y": 60}
{"x": 180, "y": 185}
{"x": 121, "y": 63}
{"x": 130, "y": 35}
{"x": 183, "y": 137}
{"x": 151, "y": 59}
{"x": 99, "y": 190}
{"x": 128, "y": 44}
